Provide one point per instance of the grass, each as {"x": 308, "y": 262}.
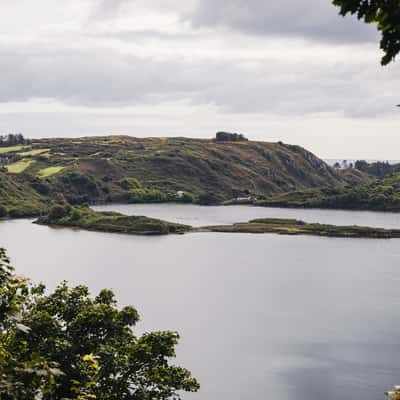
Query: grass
{"x": 34, "y": 152}
{"x": 49, "y": 171}
{"x": 295, "y": 227}
{"x": 19, "y": 166}
{"x": 9, "y": 149}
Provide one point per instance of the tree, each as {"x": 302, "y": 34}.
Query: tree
{"x": 385, "y": 13}
{"x": 58, "y": 211}
{"x": 12, "y": 139}
{"x": 361, "y": 165}
{"x": 336, "y": 165}
{"x": 21, "y": 377}
{"x": 70, "y": 345}
{"x": 230, "y": 137}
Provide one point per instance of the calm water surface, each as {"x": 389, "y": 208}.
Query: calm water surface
{"x": 199, "y": 215}
{"x": 261, "y": 316}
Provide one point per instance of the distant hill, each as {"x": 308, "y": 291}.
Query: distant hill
{"x": 127, "y": 169}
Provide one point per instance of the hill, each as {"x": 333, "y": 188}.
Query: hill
{"x": 378, "y": 195}
{"x": 126, "y": 169}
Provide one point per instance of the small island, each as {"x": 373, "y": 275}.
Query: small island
{"x": 113, "y": 222}
{"x": 296, "y": 227}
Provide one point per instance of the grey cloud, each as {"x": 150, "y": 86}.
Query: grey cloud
{"x": 111, "y": 8}
{"x": 106, "y": 78}
{"x": 311, "y": 19}
{"x": 107, "y": 8}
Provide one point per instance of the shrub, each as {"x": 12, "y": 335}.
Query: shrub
{"x": 69, "y": 345}
{"x": 129, "y": 183}
{"x": 207, "y": 198}
{"x": 58, "y": 211}
{"x": 147, "y": 195}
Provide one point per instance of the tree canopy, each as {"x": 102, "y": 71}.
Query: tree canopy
{"x": 385, "y": 13}
{"x": 68, "y": 345}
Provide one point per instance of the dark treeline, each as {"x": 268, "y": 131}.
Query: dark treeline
{"x": 378, "y": 169}
{"x": 12, "y": 139}
{"x": 229, "y": 137}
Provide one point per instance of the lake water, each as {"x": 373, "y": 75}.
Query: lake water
{"x": 261, "y": 316}
{"x": 200, "y": 216}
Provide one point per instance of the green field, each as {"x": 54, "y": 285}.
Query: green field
{"x": 34, "y": 152}
{"x": 19, "y": 166}
{"x": 4, "y": 150}
{"x": 49, "y": 171}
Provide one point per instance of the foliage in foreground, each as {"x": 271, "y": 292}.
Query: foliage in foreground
{"x": 68, "y": 345}
{"x": 386, "y": 15}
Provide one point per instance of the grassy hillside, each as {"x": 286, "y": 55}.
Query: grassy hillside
{"x": 379, "y": 195}
{"x": 20, "y": 196}
{"x": 126, "y": 169}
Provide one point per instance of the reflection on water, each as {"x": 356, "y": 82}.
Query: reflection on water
{"x": 261, "y": 316}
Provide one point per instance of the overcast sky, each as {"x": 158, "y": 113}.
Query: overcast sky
{"x": 288, "y": 70}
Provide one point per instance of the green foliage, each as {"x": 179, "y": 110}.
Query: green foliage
{"x": 207, "y": 199}
{"x": 78, "y": 188}
{"x": 18, "y": 195}
{"x": 385, "y": 14}
{"x": 68, "y": 345}
{"x": 379, "y": 195}
{"x": 279, "y": 221}
{"x": 129, "y": 183}
{"x": 12, "y": 139}
{"x": 148, "y": 195}
{"x": 295, "y": 227}
{"x": 58, "y": 211}
{"x": 230, "y": 137}
{"x": 23, "y": 374}
{"x": 377, "y": 169}
{"x": 186, "y": 198}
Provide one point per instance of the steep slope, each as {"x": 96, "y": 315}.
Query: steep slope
{"x": 20, "y": 196}
{"x": 127, "y": 169}
{"x": 226, "y": 169}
